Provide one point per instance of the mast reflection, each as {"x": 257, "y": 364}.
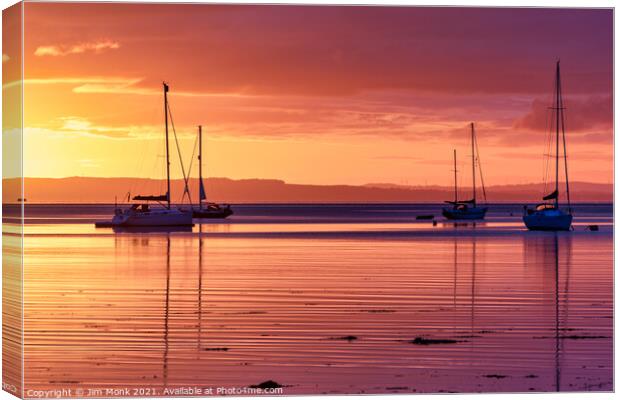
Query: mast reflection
{"x": 166, "y": 312}
{"x": 543, "y": 251}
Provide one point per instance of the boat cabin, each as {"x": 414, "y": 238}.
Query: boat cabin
{"x": 540, "y": 207}
{"x": 140, "y": 207}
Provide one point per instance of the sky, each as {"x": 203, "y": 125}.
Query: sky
{"x": 314, "y": 94}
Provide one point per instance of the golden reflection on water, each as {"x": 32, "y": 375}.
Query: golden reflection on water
{"x": 175, "y": 309}
{"x": 12, "y": 311}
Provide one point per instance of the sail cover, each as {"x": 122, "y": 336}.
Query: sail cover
{"x": 551, "y": 196}
{"x": 203, "y": 195}
{"x": 460, "y": 202}
{"x": 163, "y": 197}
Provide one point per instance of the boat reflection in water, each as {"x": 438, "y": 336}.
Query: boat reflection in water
{"x": 166, "y": 314}
{"x": 152, "y": 229}
{"x": 552, "y": 253}
{"x": 465, "y": 267}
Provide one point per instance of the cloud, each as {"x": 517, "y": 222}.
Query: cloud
{"x": 79, "y": 82}
{"x": 584, "y": 155}
{"x": 5, "y": 58}
{"x": 278, "y": 50}
{"x": 385, "y": 114}
{"x": 581, "y": 114}
{"x": 398, "y": 158}
{"x": 120, "y": 85}
{"x": 82, "y": 80}
{"x": 129, "y": 86}
{"x": 63, "y": 50}
{"x": 75, "y": 125}
{"x": 93, "y": 84}
{"x": 113, "y": 86}
{"x": 84, "y": 126}
{"x": 89, "y": 163}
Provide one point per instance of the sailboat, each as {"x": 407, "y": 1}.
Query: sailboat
{"x": 548, "y": 216}
{"x": 466, "y": 209}
{"x": 141, "y": 214}
{"x": 207, "y": 209}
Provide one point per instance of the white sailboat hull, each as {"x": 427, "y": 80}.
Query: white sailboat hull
{"x": 153, "y": 218}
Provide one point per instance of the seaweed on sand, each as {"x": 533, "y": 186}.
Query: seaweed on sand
{"x": 348, "y": 338}
{"x": 267, "y": 385}
{"x": 496, "y": 376}
{"x": 426, "y": 341}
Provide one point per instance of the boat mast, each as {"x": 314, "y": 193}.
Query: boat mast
{"x": 473, "y": 163}
{"x": 561, "y": 106}
{"x": 557, "y": 132}
{"x": 200, "y": 164}
{"x": 167, "y": 145}
{"x": 455, "y": 187}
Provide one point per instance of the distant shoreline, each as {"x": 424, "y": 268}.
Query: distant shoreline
{"x": 514, "y": 202}
{"x": 78, "y": 190}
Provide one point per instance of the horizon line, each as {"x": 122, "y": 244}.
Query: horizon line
{"x": 368, "y": 184}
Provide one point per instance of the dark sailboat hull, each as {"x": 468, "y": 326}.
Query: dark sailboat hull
{"x": 548, "y": 221}
{"x": 220, "y": 213}
{"x": 470, "y": 213}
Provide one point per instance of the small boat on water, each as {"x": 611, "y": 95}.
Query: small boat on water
{"x": 207, "y": 209}
{"x": 142, "y": 214}
{"x": 548, "y": 216}
{"x": 466, "y": 209}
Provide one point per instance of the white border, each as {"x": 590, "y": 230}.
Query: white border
{"x": 480, "y": 3}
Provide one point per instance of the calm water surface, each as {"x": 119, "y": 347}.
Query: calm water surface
{"x": 321, "y": 299}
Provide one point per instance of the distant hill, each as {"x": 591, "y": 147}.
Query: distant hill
{"x": 103, "y": 190}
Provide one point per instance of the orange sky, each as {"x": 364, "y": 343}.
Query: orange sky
{"x": 319, "y": 95}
